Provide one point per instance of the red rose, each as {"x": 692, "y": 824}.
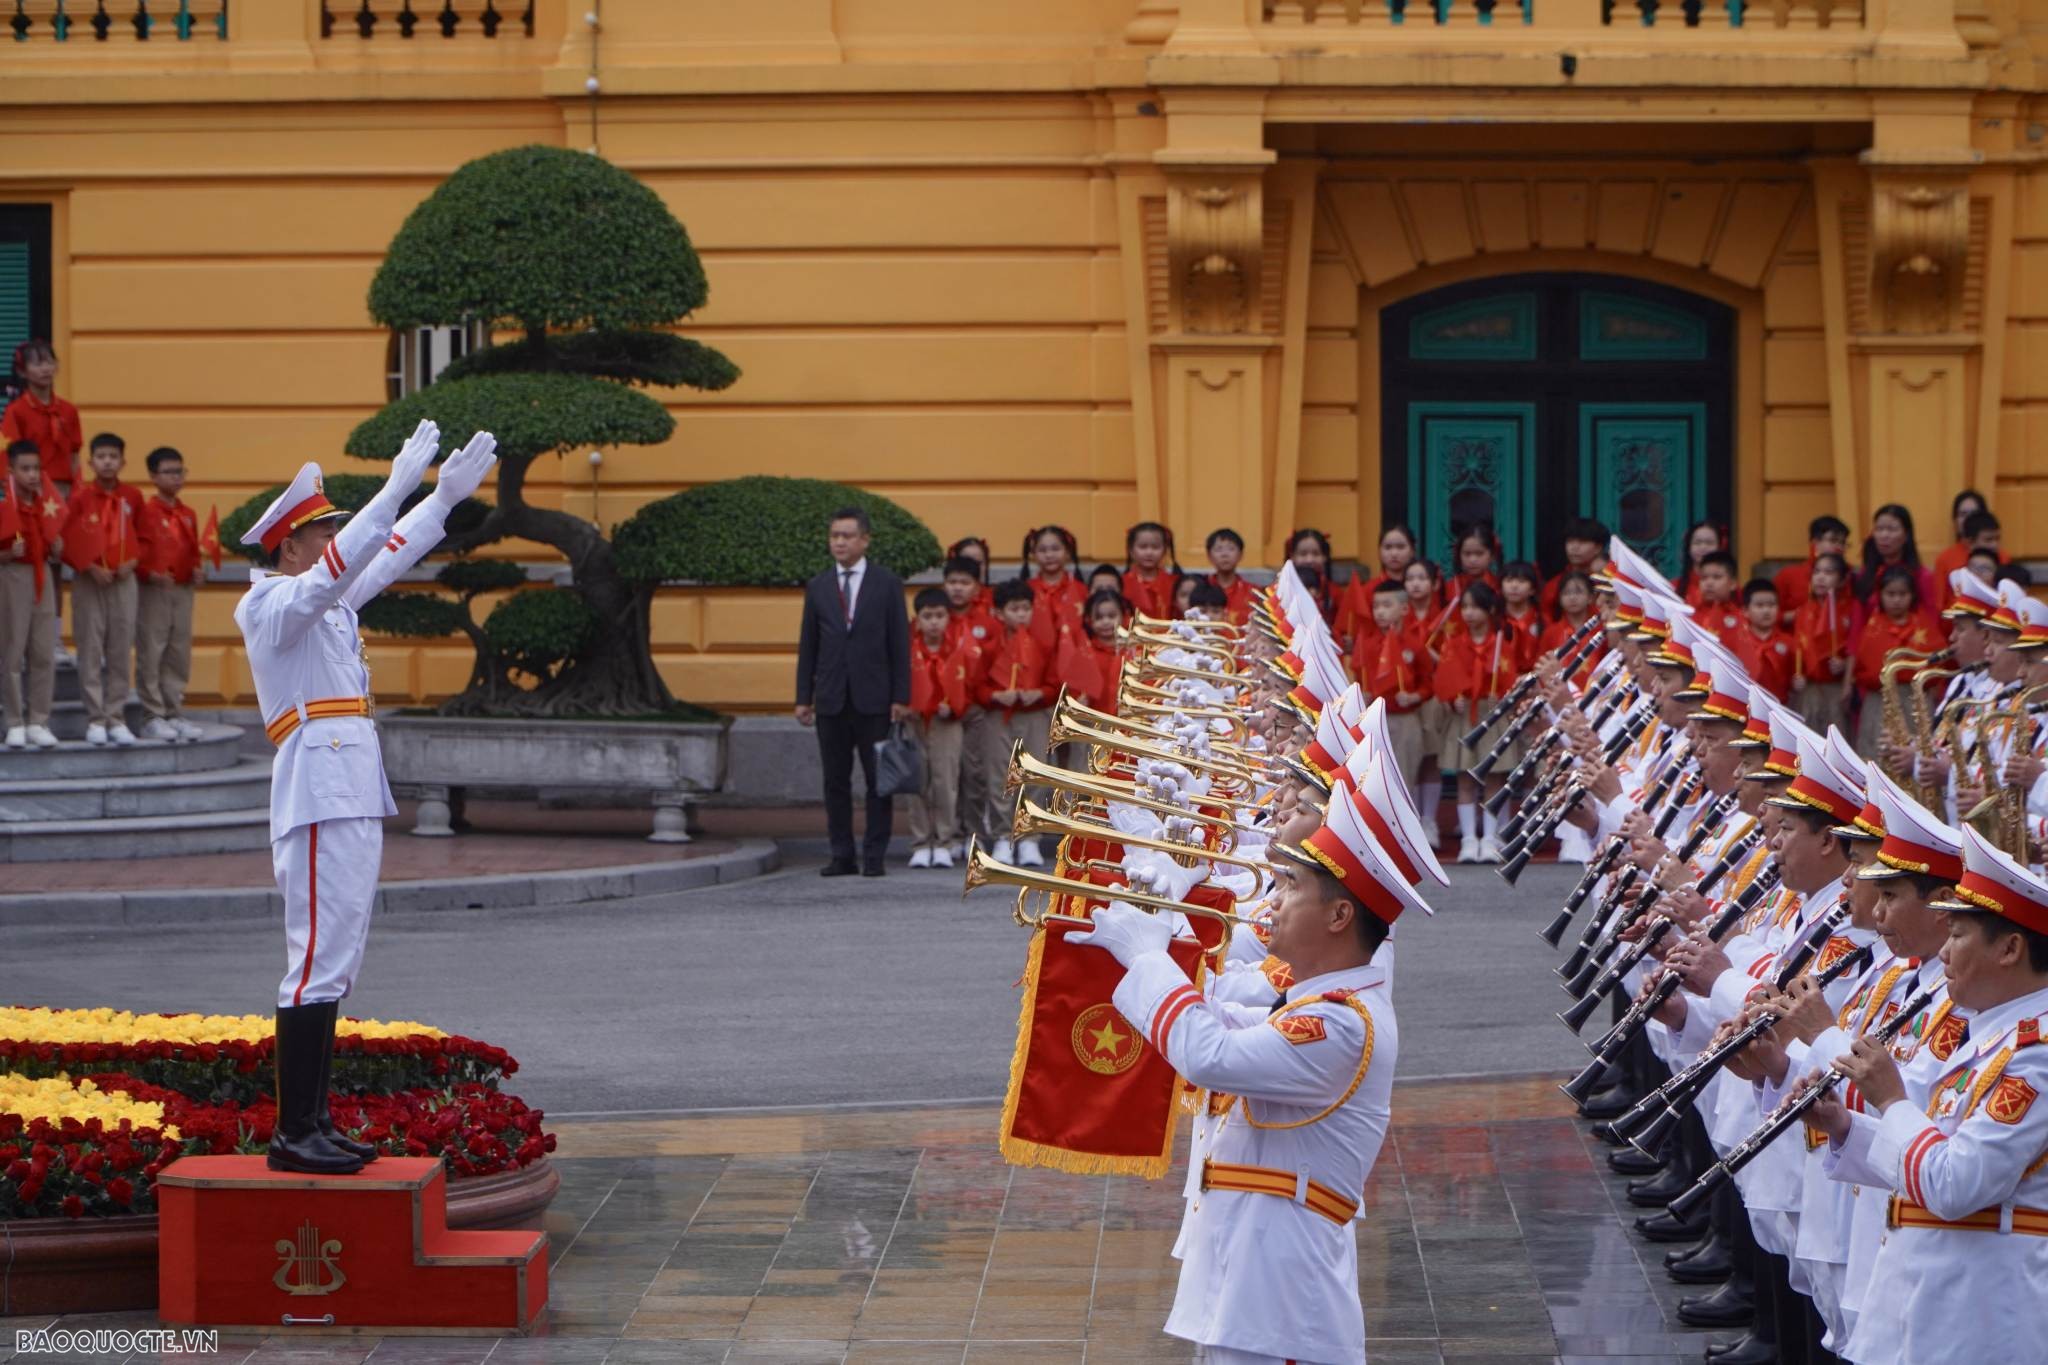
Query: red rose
{"x": 73, "y": 1206}
{"x": 31, "y": 1188}
{"x": 120, "y": 1191}
{"x": 17, "y": 1171}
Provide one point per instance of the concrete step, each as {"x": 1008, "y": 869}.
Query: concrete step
{"x": 219, "y": 746}
{"x": 245, "y": 786}
{"x": 141, "y": 836}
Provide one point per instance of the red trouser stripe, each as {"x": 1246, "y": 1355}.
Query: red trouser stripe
{"x": 312, "y": 907}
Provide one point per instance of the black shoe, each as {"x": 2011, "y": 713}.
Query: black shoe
{"x": 1662, "y": 1227}
{"x": 1660, "y": 1190}
{"x": 296, "y": 1143}
{"x": 1747, "y": 1349}
{"x": 1611, "y": 1105}
{"x": 873, "y": 870}
{"x": 839, "y": 867}
{"x": 1629, "y": 1161}
{"x": 321, "y": 1118}
{"x": 1708, "y": 1263}
{"x": 1732, "y": 1305}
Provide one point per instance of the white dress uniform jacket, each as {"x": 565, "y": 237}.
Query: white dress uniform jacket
{"x": 304, "y": 646}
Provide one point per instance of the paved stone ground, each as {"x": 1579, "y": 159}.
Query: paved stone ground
{"x": 873, "y": 1224}
{"x": 786, "y": 990}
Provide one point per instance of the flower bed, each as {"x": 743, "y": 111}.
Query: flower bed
{"x": 94, "y": 1103}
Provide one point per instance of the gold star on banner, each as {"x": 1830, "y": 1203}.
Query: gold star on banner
{"x": 1107, "y": 1039}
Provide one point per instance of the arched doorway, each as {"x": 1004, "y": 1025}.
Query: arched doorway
{"x": 1528, "y": 399}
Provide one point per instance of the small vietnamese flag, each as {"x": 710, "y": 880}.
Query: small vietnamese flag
{"x": 209, "y": 539}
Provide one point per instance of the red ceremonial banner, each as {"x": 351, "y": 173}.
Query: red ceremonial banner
{"x": 1087, "y": 1093}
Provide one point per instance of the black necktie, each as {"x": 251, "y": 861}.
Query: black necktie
{"x": 846, "y": 593}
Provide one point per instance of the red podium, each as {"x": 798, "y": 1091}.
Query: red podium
{"x": 240, "y": 1245}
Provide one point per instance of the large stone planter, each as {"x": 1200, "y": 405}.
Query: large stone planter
{"x": 50, "y": 1266}
{"x": 439, "y": 759}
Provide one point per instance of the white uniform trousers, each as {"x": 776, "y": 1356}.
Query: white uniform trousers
{"x": 328, "y": 875}
{"x": 1230, "y": 1355}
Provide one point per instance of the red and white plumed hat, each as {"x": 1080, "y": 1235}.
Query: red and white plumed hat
{"x": 1322, "y": 758}
{"x": 1720, "y": 681}
{"x": 1390, "y": 814}
{"x": 304, "y": 501}
{"x": 1345, "y": 847}
{"x": 1819, "y": 786}
{"x": 2007, "y": 615}
{"x": 1973, "y": 597}
{"x": 2033, "y": 613}
{"x": 1756, "y": 728}
{"x": 1993, "y": 881}
{"x": 1914, "y": 841}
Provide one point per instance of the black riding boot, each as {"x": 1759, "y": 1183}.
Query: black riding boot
{"x": 297, "y": 1144}
{"x": 329, "y": 1010}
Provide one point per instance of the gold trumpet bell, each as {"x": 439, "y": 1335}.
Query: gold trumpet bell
{"x": 1034, "y": 819}
{"x": 1028, "y": 770}
{"x": 983, "y": 870}
{"x": 1229, "y": 628}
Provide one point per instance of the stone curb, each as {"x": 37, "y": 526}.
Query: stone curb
{"x": 569, "y": 887}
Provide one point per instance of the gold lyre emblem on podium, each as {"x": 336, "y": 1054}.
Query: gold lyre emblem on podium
{"x": 307, "y": 1265}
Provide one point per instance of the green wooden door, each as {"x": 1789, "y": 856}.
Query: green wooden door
{"x": 1472, "y": 462}
{"x": 1643, "y": 471}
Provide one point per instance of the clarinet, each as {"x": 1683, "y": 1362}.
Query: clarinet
{"x": 1676, "y": 1095}
{"x": 1580, "y": 1087}
{"x": 1789, "y": 1113}
{"x": 1522, "y": 686}
{"x": 1618, "y": 924}
{"x": 1596, "y": 928}
{"x": 1610, "y": 853}
{"x": 1577, "y": 1015}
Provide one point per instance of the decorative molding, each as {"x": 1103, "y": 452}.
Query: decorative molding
{"x": 1215, "y": 230}
{"x": 1919, "y": 249}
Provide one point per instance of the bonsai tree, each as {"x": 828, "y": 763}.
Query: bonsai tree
{"x": 763, "y": 532}
{"x": 584, "y": 263}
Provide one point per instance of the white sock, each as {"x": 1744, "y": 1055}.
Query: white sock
{"x": 1431, "y": 793}
{"x": 1468, "y": 820}
{"x": 1492, "y": 822}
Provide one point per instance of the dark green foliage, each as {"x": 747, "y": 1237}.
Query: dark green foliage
{"x": 633, "y": 357}
{"x": 550, "y": 237}
{"x": 348, "y": 492}
{"x": 472, "y": 576}
{"x": 762, "y": 531}
{"x": 536, "y": 632}
{"x": 420, "y": 615}
{"x": 530, "y": 414}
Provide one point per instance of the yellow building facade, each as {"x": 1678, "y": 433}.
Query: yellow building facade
{"x": 1256, "y": 263}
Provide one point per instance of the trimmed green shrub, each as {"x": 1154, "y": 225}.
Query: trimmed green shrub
{"x": 537, "y": 632}
{"x": 763, "y": 531}
{"x": 530, "y": 414}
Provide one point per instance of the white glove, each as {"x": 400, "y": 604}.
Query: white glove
{"x": 464, "y": 471}
{"x": 1129, "y": 819}
{"x": 1126, "y": 932}
{"x": 409, "y": 466}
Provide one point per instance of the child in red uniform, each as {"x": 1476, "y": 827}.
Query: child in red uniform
{"x": 1821, "y": 630}
{"x": 1399, "y": 671}
{"x": 1714, "y": 580}
{"x": 1088, "y": 666}
{"x": 1476, "y": 552}
{"x": 1149, "y": 570}
{"x": 168, "y": 577}
{"x": 1824, "y": 536}
{"x": 1480, "y": 662}
{"x": 1574, "y": 606}
{"x": 1308, "y": 549}
{"x": 1426, "y": 619}
{"x": 102, "y": 547}
{"x": 1898, "y": 623}
{"x": 1056, "y": 591}
{"x": 976, "y": 549}
{"x": 1764, "y": 647}
{"x": 938, "y": 699}
{"x": 1014, "y": 692}
{"x": 1585, "y": 552}
{"x": 1702, "y": 538}
{"x": 1518, "y": 613}
{"x": 972, "y": 634}
{"x": 1226, "y": 552}
{"x": 28, "y": 599}
{"x": 38, "y": 414}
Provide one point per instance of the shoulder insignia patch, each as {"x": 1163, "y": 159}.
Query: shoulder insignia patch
{"x": 1835, "y": 950}
{"x": 2010, "y": 1099}
{"x": 1946, "y": 1038}
{"x": 1299, "y": 1028}
{"x": 1277, "y": 972}
{"x": 2029, "y": 1033}
{"x": 1338, "y": 997}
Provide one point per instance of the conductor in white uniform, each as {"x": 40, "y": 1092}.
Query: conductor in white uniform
{"x": 328, "y": 796}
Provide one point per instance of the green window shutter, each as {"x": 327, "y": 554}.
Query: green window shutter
{"x": 14, "y": 296}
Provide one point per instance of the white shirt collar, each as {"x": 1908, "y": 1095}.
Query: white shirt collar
{"x": 857, "y": 568}
{"x": 1350, "y": 979}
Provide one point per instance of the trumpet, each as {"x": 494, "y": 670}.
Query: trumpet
{"x": 1066, "y": 730}
{"x": 1032, "y": 818}
{"x": 982, "y": 870}
{"x": 1238, "y": 680}
{"x": 1028, "y": 768}
{"x": 1069, "y": 704}
{"x": 1219, "y": 627}
{"x": 1130, "y": 637}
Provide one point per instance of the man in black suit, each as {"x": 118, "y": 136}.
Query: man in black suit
{"x": 852, "y": 680}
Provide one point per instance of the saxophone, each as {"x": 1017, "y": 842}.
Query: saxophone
{"x": 1894, "y": 726}
{"x": 1925, "y": 741}
{"x": 2006, "y": 802}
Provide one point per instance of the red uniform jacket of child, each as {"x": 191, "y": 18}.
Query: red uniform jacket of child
{"x": 1724, "y": 619}
{"x": 1554, "y": 636}
{"x": 1237, "y": 599}
{"x": 1881, "y": 635}
{"x": 100, "y": 527}
{"x": 170, "y": 540}
{"x": 1471, "y": 671}
{"x": 1149, "y": 596}
{"x": 1769, "y": 659}
{"x": 53, "y": 426}
{"x": 1055, "y": 609}
{"x": 1820, "y": 631}
{"x": 1018, "y": 664}
{"x": 1399, "y": 663}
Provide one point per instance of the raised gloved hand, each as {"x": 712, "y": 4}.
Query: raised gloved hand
{"x": 409, "y": 466}
{"x": 464, "y": 471}
{"x": 1126, "y": 932}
